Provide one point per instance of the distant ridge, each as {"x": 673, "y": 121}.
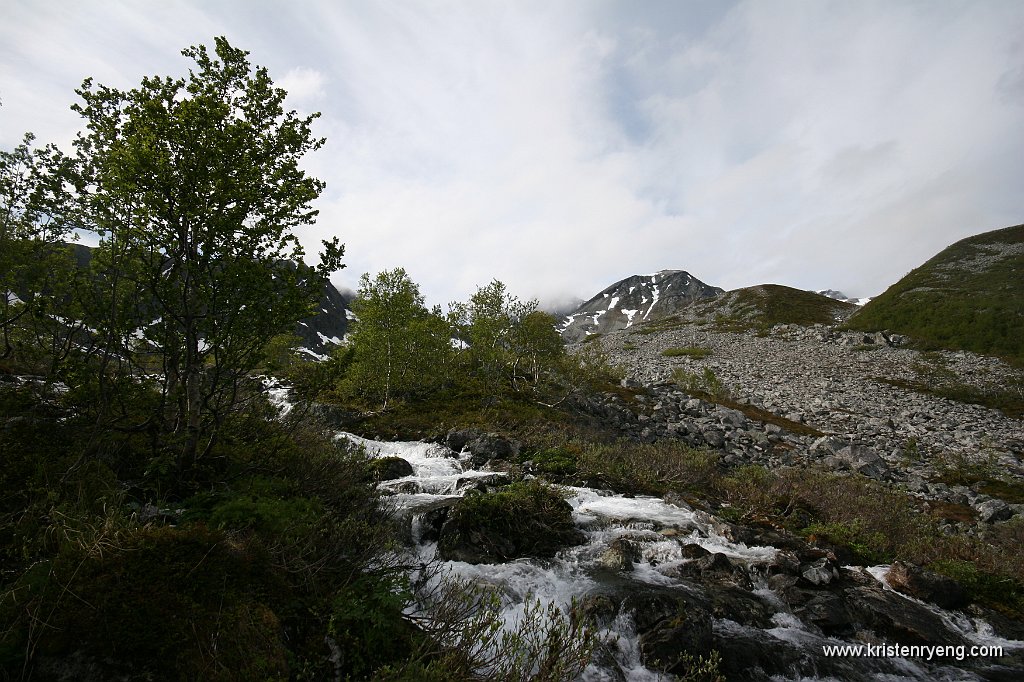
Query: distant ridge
{"x": 765, "y": 305}
{"x": 840, "y": 296}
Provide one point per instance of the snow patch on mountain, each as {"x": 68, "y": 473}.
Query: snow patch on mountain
{"x": 840, "y": 296}
{"x": 635, "y": 299}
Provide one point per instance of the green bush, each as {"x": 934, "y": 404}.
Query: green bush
{"x": 1001, "y": 592}
{"x": 654, "y": 468}
{"x": 706, "y": 384}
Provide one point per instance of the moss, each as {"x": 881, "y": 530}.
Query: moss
{"x": 1000, "y": 592}
{"x": 523, "y": 519}
{"x": 556, "y": 462}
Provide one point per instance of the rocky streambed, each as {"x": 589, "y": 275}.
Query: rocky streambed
{"x": 668, "y": 583}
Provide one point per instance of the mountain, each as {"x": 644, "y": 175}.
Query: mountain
{"x": 766, "y": 305}
{"x": 325, "y": 329}
{"x": 636, "y": 299}
{"x": 840, "y": 296}
{"x": 970, "y": 296}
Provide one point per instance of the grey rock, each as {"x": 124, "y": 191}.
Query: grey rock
{"x": 620, "y": 555}
{"x": 994, "y": 511}
{"x": 821, "y": 572}
{"x": 926, "y": 585}
{"x": 864, "y": 460}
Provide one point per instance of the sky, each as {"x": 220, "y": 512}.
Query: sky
{"x": 562, "y": 145}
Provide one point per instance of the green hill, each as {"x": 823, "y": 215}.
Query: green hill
{"x": 766, "y": 305}
{"x": 968, "y": 297}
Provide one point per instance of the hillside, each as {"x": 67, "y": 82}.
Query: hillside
{"x": 758, "y": 307}
{"x": 766, "y": 305}
{"x": 968, "y": 297}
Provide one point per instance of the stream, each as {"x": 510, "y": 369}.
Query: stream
{"x": 662, "y": 535}
{"x": 769, "y": 612}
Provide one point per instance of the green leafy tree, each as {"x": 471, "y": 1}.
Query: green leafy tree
{"x": 196, "y": 186}
{"x": 34, "y": 260}
{"x": 401, "y": 348}
{"x": 536, "y": 349}
{"x": 488, "y": 324}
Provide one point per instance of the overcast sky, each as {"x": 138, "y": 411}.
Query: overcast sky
{"x": 563, "y": 145}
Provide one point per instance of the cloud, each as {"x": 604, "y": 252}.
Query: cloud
{"x": 305, "y": 86}
{"x": 560, "y": 147}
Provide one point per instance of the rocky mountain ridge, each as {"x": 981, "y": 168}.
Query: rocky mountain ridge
{"x": 636, "y": 299}
{"x": 326, "y": 328}
{"x": 840, "y": 296}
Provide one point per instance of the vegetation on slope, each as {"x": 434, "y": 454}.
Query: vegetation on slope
{"x": 767, "y": 305}
{"x": 757, "y": 308}
{"x": 970, "y": 296}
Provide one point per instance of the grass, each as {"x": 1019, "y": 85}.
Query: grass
{"x": 697, "y": 353}
{"x": 1007, "y": 398}
{"x": 866, "y": 522}
{"x": 762, "y": 307}
{"x": 943, "y": 304}
{"x": 651, "y": 469}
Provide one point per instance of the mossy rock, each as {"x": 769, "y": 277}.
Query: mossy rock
{"x": 523, "y": 520}
{"x": 389, "y": 468}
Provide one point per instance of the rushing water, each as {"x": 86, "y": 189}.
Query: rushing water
{"x": 659, "y": 531}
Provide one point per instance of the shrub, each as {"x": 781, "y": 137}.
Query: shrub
{"x": 706, "y": 383}
{"x": 470, "y": 639}
{"x": 652, "y": 468}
